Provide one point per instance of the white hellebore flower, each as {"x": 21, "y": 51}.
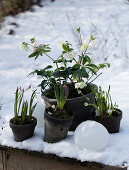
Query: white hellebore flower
{"x": 93, "y": 43}
{"x": 70, "y": 55}
{"x": 83, "y": 46}
{"x": 80, "y": 85}
{"x": 24, "y": 47}
{"x": 60, "y": 45}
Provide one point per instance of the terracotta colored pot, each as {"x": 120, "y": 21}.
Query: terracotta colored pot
{"x": 22, "y": 132}
{"x": 76, "y": 105}
{"x": 55, "y": 129}
{"x": 112, "y": 124}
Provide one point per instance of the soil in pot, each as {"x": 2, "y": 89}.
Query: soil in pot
{"x": 75, "y": 103}
{"x": 111, "y": 123}
{"x": 56, "y": 129}
{"x": 22, "y": 132}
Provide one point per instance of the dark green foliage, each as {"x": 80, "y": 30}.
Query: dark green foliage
{"x": 70, "y": 68}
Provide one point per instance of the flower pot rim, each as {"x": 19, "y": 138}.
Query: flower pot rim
{"x": 24, "y": 126}
{"x": 112, "y": 117}
{"x": 71, "y": 99}
{"x": 55, "y": 118}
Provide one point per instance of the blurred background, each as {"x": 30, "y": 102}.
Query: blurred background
{"x": 13, "y": 7}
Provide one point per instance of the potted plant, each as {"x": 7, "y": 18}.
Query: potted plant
{"x": 57, "y": 119}
{"x": 23, "y": 123}
{"x": 105, "y": 112}
{"x": 76, "y": 71}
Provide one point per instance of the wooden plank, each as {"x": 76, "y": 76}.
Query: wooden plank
{"x": 19, "y": 159}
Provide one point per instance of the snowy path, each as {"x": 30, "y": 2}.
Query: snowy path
{"x": 109, "y": 22}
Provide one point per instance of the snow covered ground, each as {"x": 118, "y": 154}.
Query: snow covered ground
{"x": 108, "y": 20}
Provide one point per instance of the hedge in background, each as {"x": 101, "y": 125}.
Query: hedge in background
{"x": 12, "y": 7}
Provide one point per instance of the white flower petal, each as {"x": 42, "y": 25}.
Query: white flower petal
{"x": 80, "y": 85}
{"x": 60, "y": 45}
{"x": 70, "y": 55}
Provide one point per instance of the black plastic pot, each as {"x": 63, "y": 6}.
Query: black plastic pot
{"x": 22, "y": 132}
{"x": 76, "y": 105}
{"x": 112, "y": 124}
{"x": 55, "y": 129}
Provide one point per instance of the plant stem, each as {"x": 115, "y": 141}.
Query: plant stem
{"x": 50, "y": 57}
{"x": 95, "y": 78}
{"x": 55, "y": 62}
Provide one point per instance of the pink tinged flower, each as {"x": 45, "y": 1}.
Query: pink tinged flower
{"x": 21, "y": 91}
{"x": 36, "y": 48}
{"x": 40, "y": 45}
{"x": 66, "y": 90}
{"x": 29, "y": 86}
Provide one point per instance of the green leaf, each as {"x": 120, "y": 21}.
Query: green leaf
{"x": 92, "y": 70}
{"x": 58, "y": 61}
{"x": 108, "y": 65}
{"x": 16, "y": 104}
{"x": 67, "y": 71}
{"x": 88, "y": 58}
{"x": 76, "y": 67}
{"x": 82, "y": 73}
{"x": 80, "y": 58}
{"x": 65, "y": 47}
{"x": 58, "y": 74}
{"x": 25, "y": 44}
{"x": 32, "y": 40}
{"x": 101, "y": 66}
{"x": 78, "y": 30}
{"x": 62, "y": 68}
{"x": 92, "y": 65}
{"x": 84, "y": 60}
{"x": 33, "y": 54}
{"x": 48, "y": 67}
{"x": 33, "y": 108}
{"x": 37, "y": 56}
{"x": 43, "y": 84}
{"x": 92, "y": 38}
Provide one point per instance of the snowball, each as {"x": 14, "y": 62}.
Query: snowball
{"x": 91, "y": 135}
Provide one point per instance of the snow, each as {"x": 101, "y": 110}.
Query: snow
{"x": 90, "y": 134}
{"x": 108, "y": 21}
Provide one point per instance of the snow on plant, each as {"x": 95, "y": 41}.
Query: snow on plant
{"x": 103, "y": 104}
{"x": 70, "y": 68}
